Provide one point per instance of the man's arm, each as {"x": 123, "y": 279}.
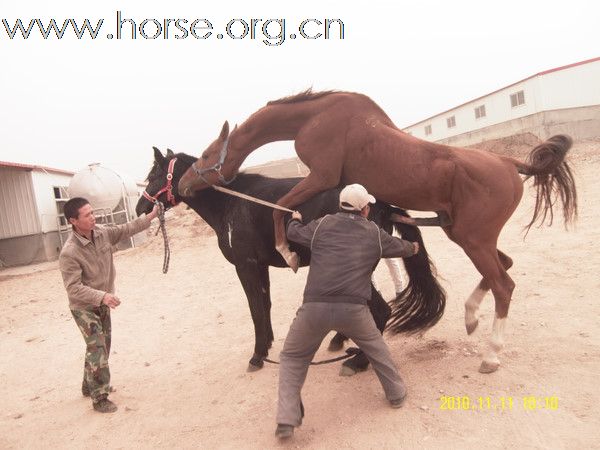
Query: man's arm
{"x": 300, "y": 233}
{"x": 119, "y": 232}
{"x": 392, "y": 247}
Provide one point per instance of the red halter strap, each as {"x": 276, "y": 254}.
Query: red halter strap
{"x": 168, "y": 188}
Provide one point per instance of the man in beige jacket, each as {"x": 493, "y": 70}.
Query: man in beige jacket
{"x": 86, "y": 265}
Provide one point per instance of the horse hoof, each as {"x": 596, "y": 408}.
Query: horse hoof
{"x": 255, "y": 364}
{"x": 335, "y": 346}
{"x": 488, "y": 367}
{"x": 293, "y": 262}
{"x": 471, "y": 326}
{"x": 346, "y": 371}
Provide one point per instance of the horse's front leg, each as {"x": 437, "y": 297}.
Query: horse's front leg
{"x": 306, "y": 189}
{"x": 281, "y": 243}
{"x": 250, "y": 275}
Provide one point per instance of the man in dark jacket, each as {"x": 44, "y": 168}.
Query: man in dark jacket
{"x": 345, "y": 248}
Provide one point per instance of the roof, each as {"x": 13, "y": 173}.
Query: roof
{"x": 21, "y": 166}
{"x": 545, "y": 72}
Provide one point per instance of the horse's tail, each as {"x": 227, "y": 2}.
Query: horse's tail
{"x": 421, "y": 304}
{"x": 552, "y": 177}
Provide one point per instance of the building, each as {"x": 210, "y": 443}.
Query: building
{"x": 29, "y": 200}
{"x": 32, "y": 227}
{"x": 561, "y": 100}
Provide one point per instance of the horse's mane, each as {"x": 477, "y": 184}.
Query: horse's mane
{"x": 303, "y": 96}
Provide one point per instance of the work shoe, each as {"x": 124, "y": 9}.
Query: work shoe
{"x": 284, "y": 431}
{"x": 104, "y": 405}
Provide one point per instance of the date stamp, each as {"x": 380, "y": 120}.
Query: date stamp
{"x": 528, "y": 403}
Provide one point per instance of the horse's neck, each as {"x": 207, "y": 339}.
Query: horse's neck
{"x": 272, "y": 123}
{"x": 207, "y": 205}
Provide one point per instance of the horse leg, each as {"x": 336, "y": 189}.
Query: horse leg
{"x": 265, "y": 286}
{"x": 307, "y": 188}
{"x": 337, "y": 342}
{"x": 488, "y": 263}
{"x": 250, "y": 275}
{"x": 474, "y": 301}
{"x": 381, "y": 312}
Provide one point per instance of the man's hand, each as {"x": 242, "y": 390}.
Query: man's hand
{"x": 297, "y": 215}
{"x": 154, "y": 212}
{"x": 110, "y": 300}
{"x": 416, "y": 246}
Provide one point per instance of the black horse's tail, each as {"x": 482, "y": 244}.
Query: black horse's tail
{"x": 421, "y": 304}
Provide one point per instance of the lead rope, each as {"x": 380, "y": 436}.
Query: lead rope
{"x": 351, "y": 351}
{"x": 162, "y": 226}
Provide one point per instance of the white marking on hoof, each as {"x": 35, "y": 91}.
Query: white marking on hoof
{"x": 346, "y": 371}
{"x": 490, "y": 361}
{"x": 290, "y": 258}
{"x": 293, "y": 261}
{"x": 488, "y": 367}
{"x": 472, "y": 326}
{"x": 472, "y": 309}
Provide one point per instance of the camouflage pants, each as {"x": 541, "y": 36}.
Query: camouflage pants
{"x": 95, "y": 327}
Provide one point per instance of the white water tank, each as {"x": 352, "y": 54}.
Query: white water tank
{"x": 102, "y": 187}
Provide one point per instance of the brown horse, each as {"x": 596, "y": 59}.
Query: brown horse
{"x": 346, "y": 138}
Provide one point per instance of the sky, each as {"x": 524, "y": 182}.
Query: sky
{"x": 66, "y": 103}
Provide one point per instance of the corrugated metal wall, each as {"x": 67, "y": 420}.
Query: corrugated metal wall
{"x": 18, "y": 210}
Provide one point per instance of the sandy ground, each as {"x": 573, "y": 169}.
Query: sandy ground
{"x": 181, "y": 343}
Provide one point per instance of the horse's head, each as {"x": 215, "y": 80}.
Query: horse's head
{"x": 213, "y": 167}
{"x": 162, "y": 181}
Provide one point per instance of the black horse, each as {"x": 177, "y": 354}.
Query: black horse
{"x": 245, "y": 236}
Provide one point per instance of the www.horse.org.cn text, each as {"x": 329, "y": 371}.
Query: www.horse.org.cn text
{"x": 272, "y": 32}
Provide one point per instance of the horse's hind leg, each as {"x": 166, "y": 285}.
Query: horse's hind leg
{"x": 337, "y": 342}
{"x": 488, "y": 263}
{"x": 474, "y": 301}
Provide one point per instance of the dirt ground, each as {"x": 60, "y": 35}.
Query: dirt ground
{"x": 182, "y": 341}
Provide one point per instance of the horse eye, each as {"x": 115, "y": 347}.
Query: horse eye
{"x": 205, "y": 157}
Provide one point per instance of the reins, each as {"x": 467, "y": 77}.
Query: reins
{"x": 161, "y": 226}
{"x": 351, "y": 351}
{"x": 250, "y": 198}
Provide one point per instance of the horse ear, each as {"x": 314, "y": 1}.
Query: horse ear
{"x": 158, "y": 156}
{"x": 170, "y": 153}
{"x": 224, "y": 131}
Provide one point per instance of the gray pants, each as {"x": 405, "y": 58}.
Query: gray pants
{"x": 312, "y": 323}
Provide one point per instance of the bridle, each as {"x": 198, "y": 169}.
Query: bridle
{"x": 215, "y": 167}
{"x": 168, "y": 187}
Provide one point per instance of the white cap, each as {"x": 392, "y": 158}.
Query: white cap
{"x": 355, "y": 197}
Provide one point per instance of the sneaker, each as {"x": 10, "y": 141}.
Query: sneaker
{"x": 284, "y": 431}
{"x": 104, "y": 405}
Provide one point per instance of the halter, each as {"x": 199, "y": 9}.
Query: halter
{"x": 168, "y": 188}
{"x": 215, "y": 167}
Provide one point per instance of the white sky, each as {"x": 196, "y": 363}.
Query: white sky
{"x": 67, "y": 103}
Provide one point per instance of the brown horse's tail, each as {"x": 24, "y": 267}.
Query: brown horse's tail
{"x": 552, "y": 177}
{"x": 421, "y": 303}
